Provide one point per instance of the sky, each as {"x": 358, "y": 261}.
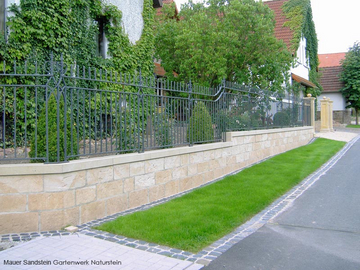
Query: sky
{"x": 337, "y": 23}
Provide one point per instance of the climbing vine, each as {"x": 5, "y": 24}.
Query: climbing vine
{"x": 299, "y": 13}
{"x": 71, "y": 28}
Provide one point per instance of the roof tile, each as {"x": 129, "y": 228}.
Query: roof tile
{"x": 281, "y": 32}
{"x": 330, "y": 79}
{"x": 331, "y": 59}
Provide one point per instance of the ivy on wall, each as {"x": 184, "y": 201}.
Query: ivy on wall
{"x": 299, "y": 13}
{"x": 71, "y": 28}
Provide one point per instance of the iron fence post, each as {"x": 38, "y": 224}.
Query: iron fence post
{"x": 190, "y": 102}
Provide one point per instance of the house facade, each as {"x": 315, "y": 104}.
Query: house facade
{"x": 330, "y": 69}
{"x": 299, "y": 72}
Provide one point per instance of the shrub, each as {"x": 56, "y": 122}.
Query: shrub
{"x": 200, "y": 126}
{"x": 281, "y": 119}
{"x": 39, "y": 146}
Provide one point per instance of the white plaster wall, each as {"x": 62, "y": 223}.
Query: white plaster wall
{"x": 301, "y": 67}
{"x": 339, "y": 102}
{"x": 132, "y": 19}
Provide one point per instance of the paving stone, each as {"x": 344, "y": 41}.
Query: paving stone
{"x": 142, "y": 248}
{"x": 165, "y": 253}
{"x": 179, "y": 256}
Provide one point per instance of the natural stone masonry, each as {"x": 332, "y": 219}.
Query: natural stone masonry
{"x": 39, "y": 197}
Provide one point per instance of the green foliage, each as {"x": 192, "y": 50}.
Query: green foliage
{"x": 233, "y": 41}
{"x": 56, "y": 133}
{"x": 299, "y": 13}
{"x": 281, "y": 119}
{"x": 350, "y": 76}
{"x": 124, "y": 55}
{"x": 200, "y": 125}
{"x": 70, "y": 28}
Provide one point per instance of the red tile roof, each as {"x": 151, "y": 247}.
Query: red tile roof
{"x": 331, "y": 60}
{"x": 330, "y": 79}
{"x": 281, "y": 32}
{"x": 330, "y": 68}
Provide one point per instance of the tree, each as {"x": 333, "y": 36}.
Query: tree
{"x": 350, "y": 75}
{"x": 218, "y": 39}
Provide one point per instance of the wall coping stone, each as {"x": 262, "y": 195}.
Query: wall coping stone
{"x": 98, "y": 162}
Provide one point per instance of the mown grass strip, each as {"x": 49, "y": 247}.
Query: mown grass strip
{"x": 353, "y": 126}
{"x": 201, "y": 217}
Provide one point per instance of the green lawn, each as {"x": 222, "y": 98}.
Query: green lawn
{"x": 353, "y": 126}
{"x": 201, "y": 217}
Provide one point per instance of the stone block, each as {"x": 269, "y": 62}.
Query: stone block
{"x": 137, "y": 198}
{"x": 219, "y": 172}
{"x": 21, "y": 184}
{"x": 154, "y": 165}
{"x": 240, "y": 158}
{"x": 116, "y": 204}
{"x": 214, "y": 164}
{"x": 13, "y": 203}
{"x": 231, "y": 160}
{"x": 217, "y": 153}
{"x": 179, "y": 172}
{"x": 110, "y": 189}
{"x": 248, "y": 147}
{"x": 56, "y": 220}
{"x": 239, "y": 140}
{"x": 192, "y": 169}
{"x": 137, "y": 168}
{"x": 222, "y": 162}
{"x": 172, "y": 162}
{"x": 185, "y": 159}
{"x": 249, "y": 139}
{"x": 156, "y": 193}
{"x": 129, "y": 184}
{"x": 100, "y": 175}
{"x": 92, "y": 211}
{"x": 163, "y": 177}
{"x": 209, "y": 155}
{"x": 19, "y": 222}
{"x": 144, "y": 181}
{"x": 51, "y": 201}
{"x": 63, "y": 182}
{"x": 227, "y": 152}
{"x": 187, "y": 183}
{"x": 196, "y": 157}
{"x": 85, "y": 195}
{"x": 203, "y": 167}
{"x": 121, "y": 171}
{"x": 207, "y": 177}
{"x": 171, "y": 188}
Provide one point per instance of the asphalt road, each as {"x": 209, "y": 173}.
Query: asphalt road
{"x": 320, "y": 231}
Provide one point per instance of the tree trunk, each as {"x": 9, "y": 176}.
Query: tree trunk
{"x": 357, "y": 116}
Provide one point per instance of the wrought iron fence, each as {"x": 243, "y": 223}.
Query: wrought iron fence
{"x": 55, "y": 112}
